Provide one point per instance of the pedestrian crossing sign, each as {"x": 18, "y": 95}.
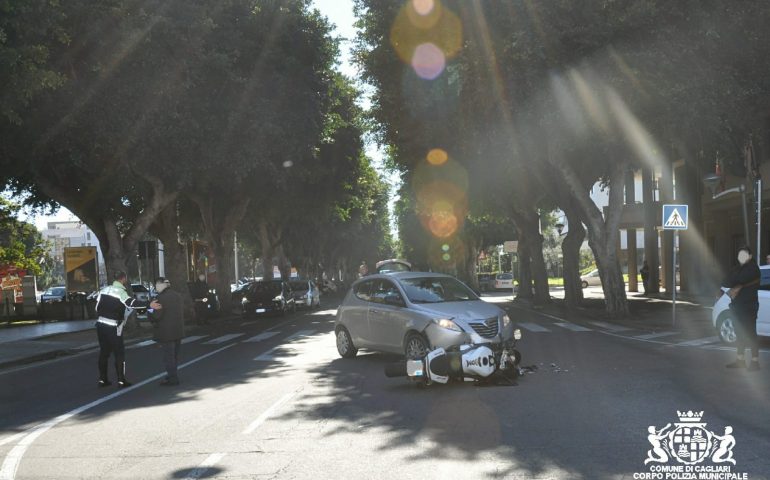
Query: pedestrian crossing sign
{"x": 674, "y": 217}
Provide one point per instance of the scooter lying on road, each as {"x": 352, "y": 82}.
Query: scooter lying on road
{"x": 486, "y": 363}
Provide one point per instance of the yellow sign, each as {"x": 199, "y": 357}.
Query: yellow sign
{"x": 81, "y": 269}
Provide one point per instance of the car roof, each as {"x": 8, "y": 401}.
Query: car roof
{"x": 405, "y": 275}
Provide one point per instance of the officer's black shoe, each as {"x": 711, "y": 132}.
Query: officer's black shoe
{"x": 104, "y": 382}
{"x": 753, "y": 366}
{"x": 124, "y": 383}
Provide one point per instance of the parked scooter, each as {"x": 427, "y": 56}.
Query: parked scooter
{"x": 480, "y": 363}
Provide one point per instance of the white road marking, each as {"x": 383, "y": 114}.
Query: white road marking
{"x": 12, "y": 438}
{"x": 611, "y": 327}
{"x": 698, "y": 342}
{"x": 223, "y": 338}
{"x": 533, "y": 327}
{"x": 649, "y": 336}
{"x": 261, "y": 336}
{"x": 573, "y": 327}
{"x": 269, "y": 356}
{"x": 269, "y": 412}
{"x": 145, "y": 343}
{"x": 193, "y": 338}
{"x": 204, "y": 467}
{"x": 301, "y": 333}
{"x": 13, "y": 458}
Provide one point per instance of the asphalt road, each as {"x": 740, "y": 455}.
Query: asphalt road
{"x": 272, "y": 399}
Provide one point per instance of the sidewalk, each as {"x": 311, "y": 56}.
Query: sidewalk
{"x": 30, "y": 332}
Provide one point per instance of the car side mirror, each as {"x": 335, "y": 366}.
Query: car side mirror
{"x": 394, "y": 300}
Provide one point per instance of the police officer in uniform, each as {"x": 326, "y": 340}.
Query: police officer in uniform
{"x": 111, "y": 307}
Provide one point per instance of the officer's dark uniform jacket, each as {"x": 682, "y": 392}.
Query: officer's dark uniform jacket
{"x": 112, "y": 302}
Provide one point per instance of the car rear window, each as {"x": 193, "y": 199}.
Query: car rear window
{"x": 505, "y": 276}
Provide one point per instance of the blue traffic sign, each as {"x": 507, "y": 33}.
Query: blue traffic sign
{"x": 674, "y": 217}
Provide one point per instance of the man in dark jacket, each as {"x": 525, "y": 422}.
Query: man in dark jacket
{"x": 744, "y": 285}
{"x": 168, "y": 320}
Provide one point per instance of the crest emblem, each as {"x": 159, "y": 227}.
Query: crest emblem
{"x": 689, "y": 442}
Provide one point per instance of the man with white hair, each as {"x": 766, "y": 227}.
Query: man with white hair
{"x": 168, "y": 317}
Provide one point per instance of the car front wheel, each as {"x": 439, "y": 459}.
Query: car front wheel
{"x": 726, "y": 328}
{"x": 345, "y": 344}
{"x": 585, "y": 284}
{"x": 415, "y": 346}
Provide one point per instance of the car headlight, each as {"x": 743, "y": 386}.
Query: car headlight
{"x": 506, "y": 320}
{"x": 517, "y": 334}
{"x": 244, "y": 300}
{"x": 277, "y": 299}
{"x": 448, "y": 324}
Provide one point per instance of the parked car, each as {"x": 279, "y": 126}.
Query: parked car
{"x": 486, "y": 281}
{"x": 237, "y": 296}
{"x": 591, "y": 279}
{"x": 722, "y": 317}
{"x": 54, "y": 295}
{"x": 413, "y": 312}
{"x": 392, "y": 265}
{"x": 140, "y": 293}
{"x": 504, "y": 281}
{"x": 268, "y": 296}
{"x": 306, "y": 293}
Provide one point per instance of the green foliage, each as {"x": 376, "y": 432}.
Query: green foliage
{"x": 21, "y": 245}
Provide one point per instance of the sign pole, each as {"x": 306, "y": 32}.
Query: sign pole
{"x": 673, "y": 281}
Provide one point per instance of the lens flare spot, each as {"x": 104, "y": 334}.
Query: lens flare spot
{"x": 428, "y": 61}
{"x": 288, "y": 164}
{"x": 423, "y": 7}
{"x": 437, "y": 157}
{"x": 446, "y": 257}
{"x": 445, "y": 247}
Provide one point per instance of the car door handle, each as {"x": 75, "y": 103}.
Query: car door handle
{"x": 374, "y": 311}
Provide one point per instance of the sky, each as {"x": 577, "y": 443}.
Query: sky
{"x": 339, "y": 13}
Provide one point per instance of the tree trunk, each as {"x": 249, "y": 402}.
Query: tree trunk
{"x": 570, "y": 247}
{"x": 219, "y": 232}
{"x": 266, "y": 241}
{"x": 525, "y": 268}
{"x": 528, "y": 226}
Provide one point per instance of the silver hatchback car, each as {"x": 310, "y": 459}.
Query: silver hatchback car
{"x": 413, "y": 312}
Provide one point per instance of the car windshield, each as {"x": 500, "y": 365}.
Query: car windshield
{"x": 436, "y": 290}
{"x": 298, "y": 286}
{"x": 505, "y": 276}
{"x": 139, "y": 289}
{"x": 267, "y": 288}
{"x": 55, "y": 291}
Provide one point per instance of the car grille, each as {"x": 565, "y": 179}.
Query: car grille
{"x": 487, "y": 328}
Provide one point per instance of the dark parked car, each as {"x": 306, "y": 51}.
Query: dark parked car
{"x": 268, "y": 296}
{"x": 238, "y": 294}
{"x": 54, "y": 295}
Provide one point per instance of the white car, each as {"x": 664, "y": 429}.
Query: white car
{"x": 591, "y": 279}
{"x": 504, "y": 281}
{"x": 722, "y": 317}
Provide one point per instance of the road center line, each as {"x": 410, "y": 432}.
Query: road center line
{"x": 14, "y": 457}
{"x": 270, "y": 411}
{"x": 204, "y": 467}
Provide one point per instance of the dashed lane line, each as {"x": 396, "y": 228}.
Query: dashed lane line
{"x": 650, "y": 336}
{"x": 533, "y": 327}
{"x": 573, "y": 327}
{"x": 698, "y": 342}
{"x": 201, "y": 470}
{"x": 193, "y": 338}
{"x": 223, "y": 339}
{"x": 261, "y": 336}
{"x": 270, "y": 411}
{"x": 610, "y": 327}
